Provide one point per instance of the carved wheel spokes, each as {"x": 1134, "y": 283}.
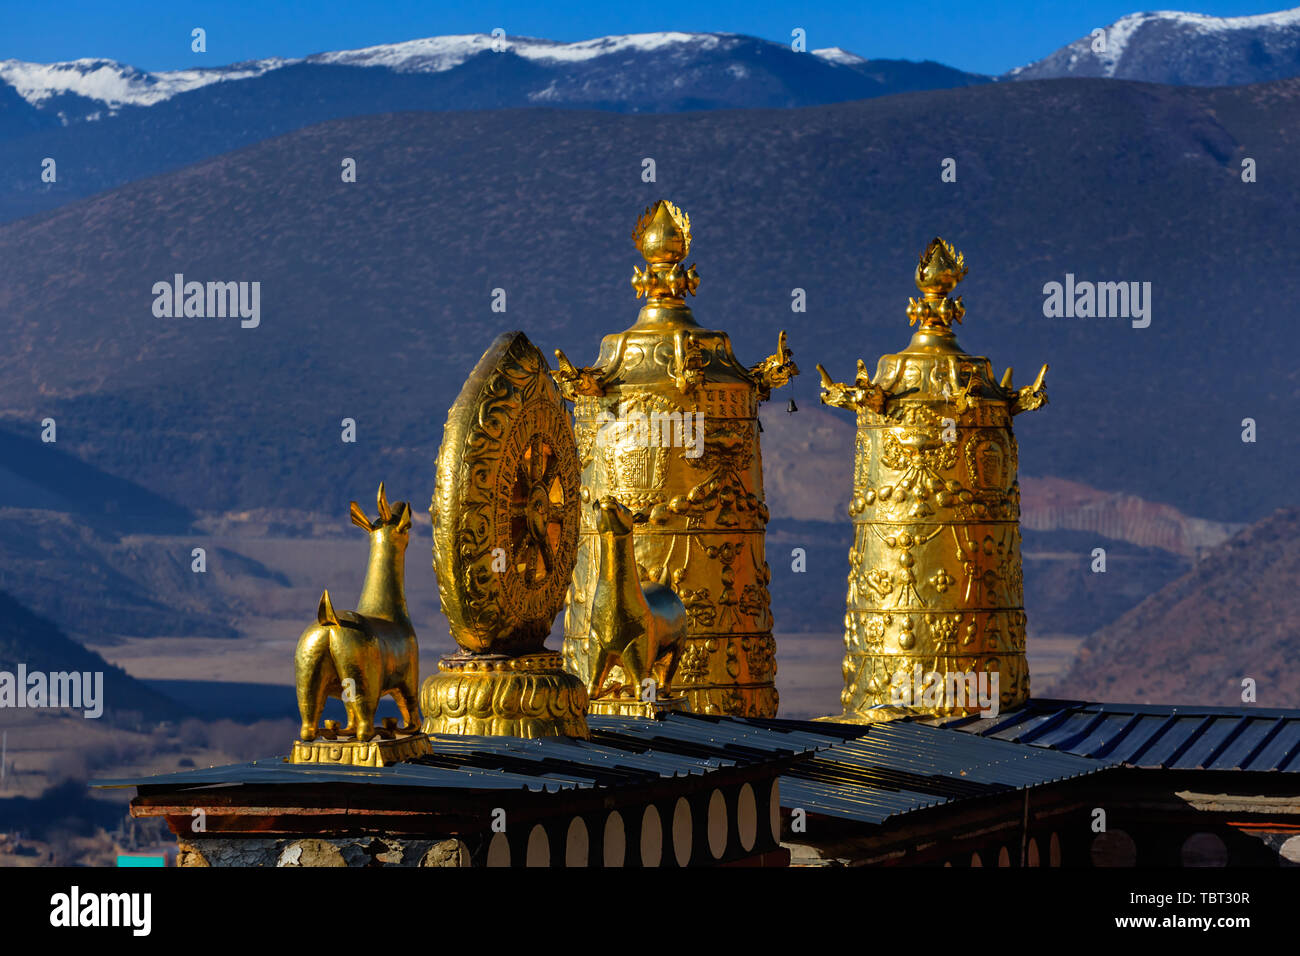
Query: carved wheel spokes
{"x": 536, "y": 512}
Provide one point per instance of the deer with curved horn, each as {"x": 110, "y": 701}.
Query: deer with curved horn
{"x": 637, "y": 625}
{"x": 360, "y": 656}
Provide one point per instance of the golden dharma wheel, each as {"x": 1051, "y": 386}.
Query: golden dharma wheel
{"x": 505, "y": 503}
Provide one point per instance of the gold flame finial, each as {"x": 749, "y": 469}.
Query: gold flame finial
{"x": 940, "y": 268}
{"x": 663, "y": 233}
{"x": 663, "y": 237}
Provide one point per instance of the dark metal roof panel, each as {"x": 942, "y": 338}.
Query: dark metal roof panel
{"x": 273, "y": 771}
{"x": 578, "y": 753}
{"x": 622, "y": 751}
{"x": 1145, "y": 730}
{"x": 1024, "y": 726}
{"x": 726, "y": 734}
{"x": 931, "y": 750}
{"x": 1253, "y": 734}
{"x": 902, "y": 766}
{"x": 1172, "y": 742}
{"x": 1214, "y": 737}
{"x": 1282, "y": 751}
{"x": 1063, "y": 734}
{"x": 865, "y": 806}
{"x": 1152, "y": 735}
{"x": 1102, "y": 736}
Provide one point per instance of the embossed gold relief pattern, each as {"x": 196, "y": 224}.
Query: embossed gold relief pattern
{"x": 704, "y": 536}
{"x": 505, "y": 533}
{"x": 501, "y": 494}
{"x": 935, "y": 580}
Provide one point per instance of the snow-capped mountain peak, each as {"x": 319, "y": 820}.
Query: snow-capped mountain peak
{"x": 1169, "y": 46}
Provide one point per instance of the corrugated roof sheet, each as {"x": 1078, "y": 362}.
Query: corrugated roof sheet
{"x": 867, "y": 773}
{"x": 1171, "y": 737}
{"x": 622, "y": 751}
{"x": 877, "y": 771}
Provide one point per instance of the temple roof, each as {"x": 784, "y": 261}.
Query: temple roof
{"x": 621, "y": 752}
{"x": 1164, "y": 736}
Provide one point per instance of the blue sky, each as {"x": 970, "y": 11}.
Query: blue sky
{"x": 985, "y": 37}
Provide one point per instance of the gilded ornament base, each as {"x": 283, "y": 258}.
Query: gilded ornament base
{"x": 734, "y": 700}
{"x": 380, "y": 752}
{"x": 494, "y": 695}
{"x": 886, "y": 686}
{"x": 876, "y": 715}
{"x": 646, "y": 709}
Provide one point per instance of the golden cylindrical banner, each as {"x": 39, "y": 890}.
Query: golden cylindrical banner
{"x": 935, "y": 619}
{"x": 666, "y": 422}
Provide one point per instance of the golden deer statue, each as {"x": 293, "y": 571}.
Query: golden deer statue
{"x": 359, "y": 656}
{"x": 638, "y": 626}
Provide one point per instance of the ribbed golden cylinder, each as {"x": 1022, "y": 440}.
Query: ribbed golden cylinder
{"x": 666, "y": 422}
{"x": 705, "y": 535}
{"x": 935, "y": 618}
{"x": 936, "y": 588}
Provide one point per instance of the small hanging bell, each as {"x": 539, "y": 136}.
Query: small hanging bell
{"x": 791, "y": 408}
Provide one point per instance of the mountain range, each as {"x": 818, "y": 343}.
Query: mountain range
{"x": 672, "y": 71}
{"x": 376, "y": 296}
{"x": 106, "y": 123}
{"x": 648, "y": 72}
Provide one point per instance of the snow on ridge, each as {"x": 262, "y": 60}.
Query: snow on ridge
{"x": 1281, "y": 18}
{"x": 425, "y": 55}
{"x": 1119, "y": 33}
{"x": 437, "y": 54}
{"x": 116, "y": 84}
{"x": 1206, "y": 23}
{"x": 640, "y": 42}
{"x": 834, "y": 54}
